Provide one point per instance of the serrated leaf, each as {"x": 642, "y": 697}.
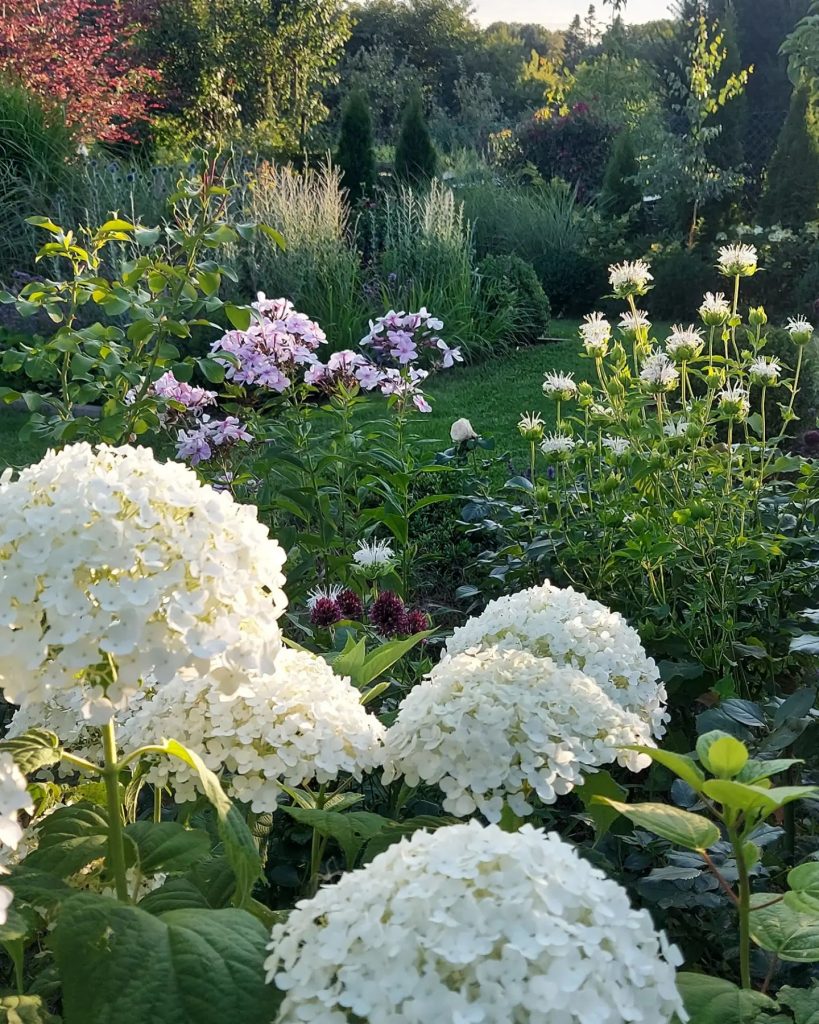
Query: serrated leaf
{"x": 36, "y": 748}
{"x": 793, "y": 935}
{"x": 69, "y": 839}
{"x": 119, "y": 963}
{"x": 716, "y": 1001}
{"x": 681, "y": 827}
{"x": 167, "y": 845}
{"x": 351, "y": 830}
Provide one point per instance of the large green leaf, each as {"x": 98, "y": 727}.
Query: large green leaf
{"x": 791, "y": 934}
{"x": 685, "y": 767}
{"x": 237, "y": 838}
{"x": 596, "y": 785}
{"x": 36, "y": 748}
{"x": 804, "y": 1003}
{"x": 167, "y": 845}
{"x": 716, "y": 1001}
{"x": 69, "y": 839}
{"x": 119, "y": 963}
{"x": 351, "y": 830}
{"x": 681, "y": 827}
{"x": 740, "y": 796}
{"x": 804, "y": 883}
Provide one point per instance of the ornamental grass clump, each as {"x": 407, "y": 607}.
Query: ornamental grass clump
{"x": 497, "y": 725}
{"x": 299, "y": 724}
{"x": 116, "y": 569}
{"x": 474, "y": 924}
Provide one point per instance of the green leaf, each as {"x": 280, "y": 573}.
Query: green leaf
{"x": 756, "y": 771}
{"x": 117, "y": 225}
{"x": 350, "y": 660}
{"x": 793, "y": 935}
{"x": 69, "y": 839}
{"x": 804, "y": 1003}
{"x": 351, "y": 831}
{"x": 239, "y": 316}
{"x": 716, "y": 1001}
{"x": 273, "y": 234}
{"x": 386, "y": 655}
{"x": 140, "y": 330}
{"x": 804, "y": 883}
{"x": 600, "y": 784}
{"x": 213, "y": 370}
{"x": 681, "y": 827}
{"x": 684, "y": 767}
{"x": 167, "y": 845}
{"x": 742, "y": 797}
{"x": 36, "y": 748}
{"x": 209, "y": 281}
{"x": 240, "y": 847}
{"x": 147, "y": 236}
{"x": 729, "y": 757}
{"x": 119, "y": 963}
{"x": 45, "y": 224}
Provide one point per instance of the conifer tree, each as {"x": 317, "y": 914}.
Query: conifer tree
{"x": 356, "y": 155}
{"x": 415, "y": 156}
{"x": 791, "y": 195}
{"x": 620, "y": 190}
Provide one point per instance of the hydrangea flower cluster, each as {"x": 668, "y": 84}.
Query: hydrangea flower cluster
{"x": 475, "y": 925}
{"x": 297, "y": 724}
{"x": 269, "y": 353}
{"x": 572, "y": 629}
{"x": 495, "y": 724}
{"x": 115, "y": 567}
{"x": 14, "y": 797}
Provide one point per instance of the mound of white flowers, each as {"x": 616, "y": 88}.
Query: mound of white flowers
{"x": 475, "y": 925}
{"x": 114, "y": 567}
{"x": 14, "y": 798}
{"x": 489, "y": 725}
{"x": 570, "y": 628}
{"x": 300, "y": 723}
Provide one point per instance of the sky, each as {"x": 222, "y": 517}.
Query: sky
{"x": 558, "y": 13}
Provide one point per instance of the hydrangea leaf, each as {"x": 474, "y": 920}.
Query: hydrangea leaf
{"x": 167, "y": 845}
{"x": 119, "y": 963}
{"x": 69, "y": 839}
{"x": 36, "y": 748}
{"x": 793, "y": 935}
{"x": 680, "y": 827}
{"x": 716, "y": 1001}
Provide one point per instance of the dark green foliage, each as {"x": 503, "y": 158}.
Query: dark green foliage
{"x": 780, "y": 345}
{"x": 681, "y": 278}
{"x": 35, "y": 144}
{"x": 513, "y": 277}
{"x": 415, "y": 156}
{"x": 620, "y": 191}
{"x": 574, "y": 147}
{"x": 791, "y": 194}
{"x": 356, "y": 156}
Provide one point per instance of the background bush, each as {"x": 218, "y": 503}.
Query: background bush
{"x": 513, "y": 277}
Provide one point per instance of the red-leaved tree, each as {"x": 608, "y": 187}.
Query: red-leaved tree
{"x": 82, "y": 55}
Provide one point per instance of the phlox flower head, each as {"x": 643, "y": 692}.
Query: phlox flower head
{"x": 493, "y": 724}
{"x": 200, "y": 442}
{"x": 115, "y": 568}
{"x": 301, "y": 723}
{"x": 475, "y": 925}
{"x": 563, "y": 624}
{"x": 181, "y": 398}
{"x": 399, "y": 339}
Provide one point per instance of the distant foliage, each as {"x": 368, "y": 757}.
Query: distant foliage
{"x": 356, "y": 156}
{"x": 80, "y": 55}
{"x": 574, "y": 147}
{"x": 511, "y": 275}
{"x": 415, "y": 158}
{"x": 791, "y": 194}
{"x": 620, "y": 190}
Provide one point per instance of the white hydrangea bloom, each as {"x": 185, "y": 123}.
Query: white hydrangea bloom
{"x": 14, "y": 798}
{"x": 62, "y": 714}
{"x": 298, "y": 724}
{"x": 474, "y": 925}
{"x": 109, "y": 555}
{"x": 491, "y": 725}
{"x": 565, "y": 625}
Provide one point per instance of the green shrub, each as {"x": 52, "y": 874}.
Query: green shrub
{"x": 574, "y": 147}
{"x": 415, "y": 158}
{"x": 620, "y": 191}
{"x": 512, "y": 276}
{"x": 681, "y": 278}
{"x": 356, "y": 156}
{"x": 791, "y": 194}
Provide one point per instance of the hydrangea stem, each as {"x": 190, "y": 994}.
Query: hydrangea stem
{"x": 743, "y": 908}
{"x": 116, "y": 845}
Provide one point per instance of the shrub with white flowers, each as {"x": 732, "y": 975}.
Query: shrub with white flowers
{"x": 14, "y": 798}
{"x": 571, "y": 629}
{"x": 300, "y": 723}
{"x": 495, "y": 724}
{"x": 115, "y": 567}
{"x": 475, "y": 925}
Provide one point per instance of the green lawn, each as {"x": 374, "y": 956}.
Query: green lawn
{"x": 492, "y": 395}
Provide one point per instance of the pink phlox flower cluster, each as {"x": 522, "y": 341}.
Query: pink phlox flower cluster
{"x": 405, "y": 337}
{"x": 268, "y": 352}
{"x": 198, "y": 444}
{"x": 193, "y": 399}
